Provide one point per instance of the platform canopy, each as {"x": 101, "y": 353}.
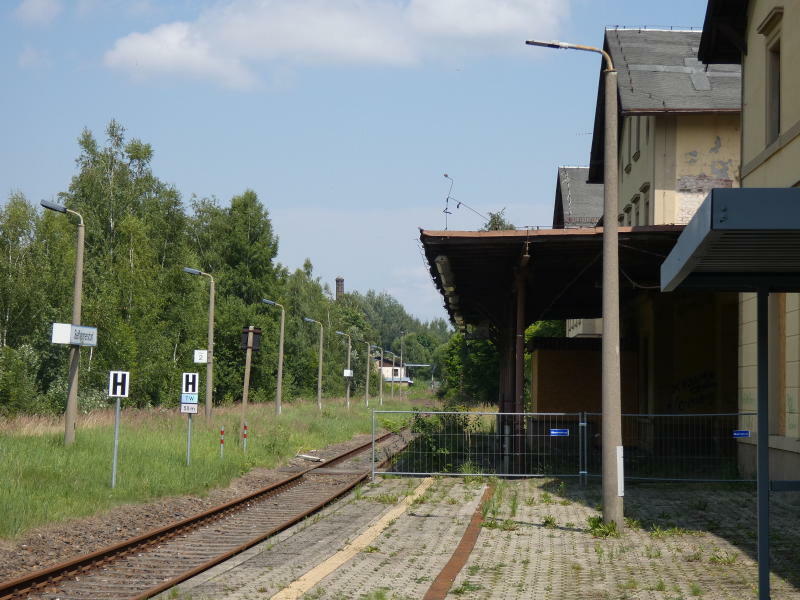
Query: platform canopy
{"x": 475, "y": 271}
{"x": 740, "y": 239}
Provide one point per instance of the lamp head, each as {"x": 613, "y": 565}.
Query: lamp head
{"x": 550, "y": 44}
{"x": 340, "y": 333}
{"x": 270, "y": 302}
{"x": 192, "y": 271}
{"x": 53, "y": 206}
{"x": 307, "y": 320}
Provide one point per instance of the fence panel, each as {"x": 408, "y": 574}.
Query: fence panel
{"x": 682, "y": 447}
{"x": 476, "y": 443}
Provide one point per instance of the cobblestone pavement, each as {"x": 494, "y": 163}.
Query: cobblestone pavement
{"x": 681, "y": 542}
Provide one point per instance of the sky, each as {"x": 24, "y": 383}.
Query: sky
{"x": 343, "y": 115}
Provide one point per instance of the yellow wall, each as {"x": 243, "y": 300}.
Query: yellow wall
{"x": 776, "y": 165}
{"x": 680, "y": 158}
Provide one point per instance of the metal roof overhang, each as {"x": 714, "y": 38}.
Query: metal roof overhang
{"x": 475, "y": 270}
{"x": 740, "y": 239}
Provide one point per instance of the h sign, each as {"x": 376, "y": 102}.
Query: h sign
{"x": 190, "y": 381}
{"x": 118, "y": 384}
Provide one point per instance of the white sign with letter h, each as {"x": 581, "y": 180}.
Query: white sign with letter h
{"x": 119, "y": 383}
{"x": 190, "y": 383}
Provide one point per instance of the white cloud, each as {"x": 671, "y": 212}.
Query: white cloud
{"x": 32, "y": 58}
{"x": 38, "y": 12}
{"x": 175, "y": 48}
{"x": 229, "y": 40}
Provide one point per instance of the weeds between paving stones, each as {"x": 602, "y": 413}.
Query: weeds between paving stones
{"x": 549, "y": 522}
{"x": 600, "y": 529}
{"x": 466, "y": 587}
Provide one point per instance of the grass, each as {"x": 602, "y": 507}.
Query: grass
{"x": 45, "y": 482}
{"x": 600, "y": 529}
{"x": 466, "y": 587}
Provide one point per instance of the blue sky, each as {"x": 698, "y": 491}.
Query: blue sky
{"x": 342, "y": 115}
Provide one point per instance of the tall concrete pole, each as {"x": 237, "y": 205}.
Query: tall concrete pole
{"x": 70, "y": 416}
{"x": 347, "y": 396}
{"x": 279, "y": 385}
{"x": 402, "y": 334}
{"x": 394, "y": 356}
{"x": 279, "y": 390}
{"x": 380, "y": 379}
{"x": 247, "y": 362}
{"x": 319, "y": 367}
{"x": 611, "y": 431}
{"x": 71, "y": 412}
{"x": 210, "y": 363}
{"x": 612, "y": 396}
{"x": 367, "y": 371}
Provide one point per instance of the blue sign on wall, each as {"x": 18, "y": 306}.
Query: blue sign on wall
{"x": 559, "y": 432}
{"x": 741, "y": 433}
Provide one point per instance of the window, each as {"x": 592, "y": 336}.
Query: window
{"x": 770, "y": 28}
{"x": 646, "y": 131}
{"x": 395, "y": 372}
{"x": 774, "y": 92}
{"x": 638, "y": 138}
{"x": 636, "y": 220}
{"x": 628, "y": 143}
{"x": 645, "y": 201}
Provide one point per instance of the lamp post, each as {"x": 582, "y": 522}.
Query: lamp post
{"x": 366, "y": 382}
{"x": 611, "y": 425}
{"x": 71, "y": 412}
{"x": 402, "y": 334}
{"x": 380, "y": 373}
{"x": 319, "y": 371}
{"x": 350, "y": 375}
{"x": 210, "y": 362}
{"x": 394, "y": 356}
{"x": 279, "y": 389}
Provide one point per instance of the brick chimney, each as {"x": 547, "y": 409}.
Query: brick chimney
{"x": 339, "y": 288}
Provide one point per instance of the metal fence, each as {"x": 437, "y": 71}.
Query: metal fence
{"x": 683, "y": 447}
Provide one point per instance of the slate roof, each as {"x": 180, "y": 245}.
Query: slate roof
{"x": 658, "y": 72}
{"x": 578, "y": 203}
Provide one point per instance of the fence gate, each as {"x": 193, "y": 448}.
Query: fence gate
{"x": 669, "y": 447}
{"x": 480, "y": 443}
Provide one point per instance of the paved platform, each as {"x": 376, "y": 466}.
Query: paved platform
{"x": 686, "y": 541}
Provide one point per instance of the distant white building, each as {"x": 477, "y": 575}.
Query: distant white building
{"x": 394, "y": 374}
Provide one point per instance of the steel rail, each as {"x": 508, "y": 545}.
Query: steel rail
{"x": 26, "y": 584}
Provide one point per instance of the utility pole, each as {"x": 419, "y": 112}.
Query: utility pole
{"x": 319, "y": 369}
{"x": 71, "y": 412}
{"x": 279, "y": 384}
{"x": 611, "y": 432}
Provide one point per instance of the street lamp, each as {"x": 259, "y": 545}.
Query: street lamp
{"x": 279, "y": 389}
{"x": 350, "y": 373}
{"x": 71, "y": 412}
{"x": 612, "y": 419}
{"x": 366, "y": 383}
{"x": 394, "y": 356}
{"x": 319, "y": 372}
{"x": 380, "y": 372}
{"x": 210, "y": 359}
{"x": 402, "y": 334}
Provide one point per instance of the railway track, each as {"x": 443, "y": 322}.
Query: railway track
{"x": 146, "y": 565}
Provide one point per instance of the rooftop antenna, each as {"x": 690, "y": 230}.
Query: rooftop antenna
{"x": 459, "y": 203}
{"x": 446, "y": 210}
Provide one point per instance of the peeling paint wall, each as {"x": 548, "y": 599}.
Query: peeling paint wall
{"x": 706, "y": 157}
{"x": 680, "y": 159}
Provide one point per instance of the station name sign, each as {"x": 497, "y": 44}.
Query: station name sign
{"x": 74, "y": 335}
